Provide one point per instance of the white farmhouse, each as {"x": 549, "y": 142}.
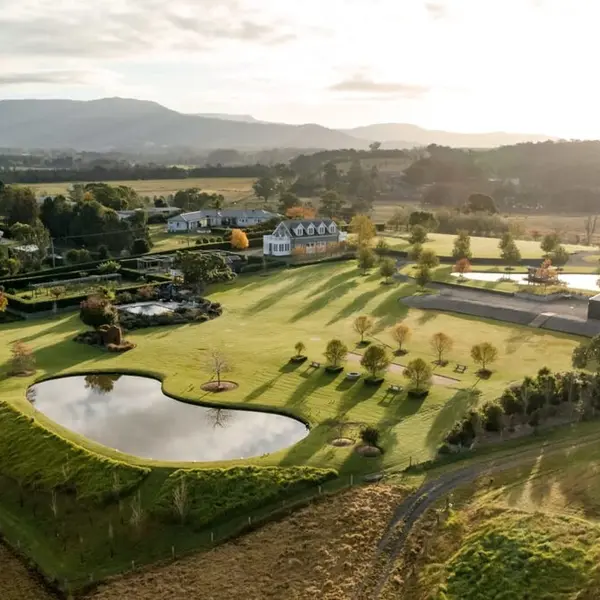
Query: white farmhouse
{"x": 312, "y": 235}
{"x": 201, "y": 219}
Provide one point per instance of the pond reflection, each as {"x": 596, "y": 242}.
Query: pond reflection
{"x": 131, "y": 414}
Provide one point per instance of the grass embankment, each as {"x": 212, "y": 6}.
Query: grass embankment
{"x": 16, "y": 582}
{"x": 528, "y": 532}
{"x": 233, "y": 188}
{"x": 481, "y": 247}
{"x": 321, "y": 551}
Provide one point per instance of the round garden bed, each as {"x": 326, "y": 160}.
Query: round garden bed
{"x": 224, "y": 386}
{"x": 369, "y": 451}
{"x": 342, "y": 442}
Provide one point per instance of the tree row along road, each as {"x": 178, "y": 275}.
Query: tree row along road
{"x": 410, "y": 510}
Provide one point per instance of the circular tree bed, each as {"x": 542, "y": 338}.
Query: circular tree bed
{"x": 341, "y": 442}
{"x": 298, "y": 358}
{"x": 224, "y": 386}
{"x": 333, "y": 370}
{"x": 369, "y": 451}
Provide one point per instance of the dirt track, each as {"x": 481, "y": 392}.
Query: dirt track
{"x": 414, "y": 506}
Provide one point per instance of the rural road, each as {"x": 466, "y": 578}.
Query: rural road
{"x": 416, "y": 504}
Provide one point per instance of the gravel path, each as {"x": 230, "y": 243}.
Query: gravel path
{"x": 397, "y": 368}
{"x": 415, "y": 505}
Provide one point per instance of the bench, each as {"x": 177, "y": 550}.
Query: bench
{"x": 460, "y": 368}
{"x": 315, "y": 365}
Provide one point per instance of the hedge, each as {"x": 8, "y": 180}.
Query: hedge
{"x": 217, "y": 495}
{"x": 38, "y": 458}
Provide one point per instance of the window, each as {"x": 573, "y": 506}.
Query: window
{"x": 299, "y": 230}
{"x": 310, "y": 230}
{"x": 332, "y": 228}
{"x": 321, "y": 229}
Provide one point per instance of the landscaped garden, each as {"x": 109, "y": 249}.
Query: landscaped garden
{"x": 99, "y": 516}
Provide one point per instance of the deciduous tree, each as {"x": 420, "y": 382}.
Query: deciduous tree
{"x": 362, "y": 326}
{"x": 22, "y": 361}
{"x": 288, "y": 200}
{"x": 550, "y": 242}
{"x": 370, "y": 436}
{"x": 462, "y": 246}
{"x": 559, "y": 256}
{"x": 418, "y": 235}
{"x": 364, "y": 230}
{"x": 441, "y": 345}
{"x": 423, "y": 276}
{"x": 375, "y": 360}
{"x": 366, "y": 258}
{"x": 419, "y": 373}
{"x": 239, "y": 239}
{"x": 428, "y": 259}
{"x": 331, "y": 204}
{"x": 97, "y": 311}
{"x": 484, "y": 354}
{"x": 265, "y": 187}
{"x": 462, "y": 266}
{"x": 300, "y": 347}
{"x": 336, "y": 353}
{"x": 387, "y": 269}
{"x": 481, "y": 203}
{"x": 301, "y": 212}
{"x": 219, "y": 365}
{"x": 401, "y": 334}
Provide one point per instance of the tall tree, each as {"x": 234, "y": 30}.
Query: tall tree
{"x": 481, "y": 203}
{"x": 331, "y": 176}
{"x": 336, "y": 353}
{"x": 441, "y": 345}
{"x": 550, "y": 242}
{"x": 366, "y": 258}
{"x": 419, "y": 373}
{"x": 375, "y": 360}
{"x": 363, "y": 228}
{"x": 265, "y": 187}
{"x": 462, "y": 246}
{"x": 362, "y": 326}
{"x": 288, "y": 200}
{"x": 331, "y": 204}
{"x": 511, "y": 254}
{"x": 23, "y": 205}
{"x": 484, "y": 354}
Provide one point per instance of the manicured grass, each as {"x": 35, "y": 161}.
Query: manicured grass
{"x": 233, "y": 188}
{"x": 264, "y": 317}
{"x": 481, "y": 247}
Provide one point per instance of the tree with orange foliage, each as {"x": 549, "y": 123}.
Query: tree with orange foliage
{"x": 239, "y": 240}
{"x": 3, "y": 301}
{"x": 462, "y": 266}
{"x": 300, "y": 212}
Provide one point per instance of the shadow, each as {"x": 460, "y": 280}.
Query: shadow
{"x": 70, "y": 326}
{"x": 462, "y": 401}
{"x": 301, "y": 452}
{"x": 313, "y": 381}
{"x": 346, "y": 384}
{"x": 261, "y": 389}
{"x": 333, "y": 282}
{"x": 290, "y": 367}
{"x": 518, "y": 338}
{"x": 426, "y": 317}
{"x": 356, "y": 394}
{"x": 356, "y": 305}
{"x": 389, "y": 311}
{"x": 323, "y": 300}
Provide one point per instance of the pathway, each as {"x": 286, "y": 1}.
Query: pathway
{"x": 397, "y": 368}
{"x": 414, "y": 506}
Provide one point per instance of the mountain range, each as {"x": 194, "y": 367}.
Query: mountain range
{"x": 127, "y": 124}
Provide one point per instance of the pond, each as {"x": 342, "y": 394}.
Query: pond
{"x": 576, "y": 281}
{"x": 150, "y": 308}
{"x": 131, "y": 414}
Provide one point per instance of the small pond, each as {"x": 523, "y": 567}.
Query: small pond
{"x": 131, "y": 414}
{"x": 150, "y": 308}
{"x": 576, "y": 281}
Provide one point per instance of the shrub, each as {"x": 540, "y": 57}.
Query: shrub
{"x": 300, "y": 347}
{"x": 492, "y": 417}
{"x": 428, "y": 259}
{"x": 146, "y": 292}
{"x": 23, "y": 361}
{"x": 370, "y": 436}
{"x": 140, "y": 246}
{"x": 97, "y": 311}
{"x": 124, "y": 298}
{"x": 110, "y": 266}
{"x": 239, "y": 240}
{"x": 418, "y": 235}
{"x": 419, "y": 373}
{"x": 216, "y": 495}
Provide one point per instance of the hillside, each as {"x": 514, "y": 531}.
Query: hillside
{"x": 117, "y": 123}
{"x": 403, "y": 135}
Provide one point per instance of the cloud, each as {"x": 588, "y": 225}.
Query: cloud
{"x": 48, "y": 77}
{"x": 124, "y": 28}
{"x": 362, "y": 84}
{"x": 436, "y": 10}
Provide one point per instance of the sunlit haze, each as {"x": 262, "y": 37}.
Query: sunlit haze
{"x": 464, "y": 65}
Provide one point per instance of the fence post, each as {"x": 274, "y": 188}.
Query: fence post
{"x": 351, "y": 478}
{"x": 173, "y": 552}
{"x": 250, "y": 520}
{"x": 212, "y": 536}
{"x": 133, "y": 565}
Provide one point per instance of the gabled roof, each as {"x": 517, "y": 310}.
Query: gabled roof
{"x": 292, "y": 224}
{"x": 224, "y": 214}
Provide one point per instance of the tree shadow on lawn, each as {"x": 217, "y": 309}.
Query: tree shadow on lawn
{"x": 358, "y": 393}
{"x": 321, "y": 301}
{"x": 389, "y": 312}
{"x": 301, "y": 452}
{"x": 71, "y": 326}
{"x": 332, "y": 282}
{"x": 356, "y": 305}
{"x": 518, "y": 338}
{"x": 313, "y": 380}
{"x": 401, "y": 406}
{"x": 257, "y": 392}
{"x": 427, "y": 316}
{"x": 452, "y": 411}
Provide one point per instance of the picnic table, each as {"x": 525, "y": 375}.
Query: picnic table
{"x": 460, "y": 368}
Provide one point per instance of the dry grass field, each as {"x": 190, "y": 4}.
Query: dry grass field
{"x": 321, "y": 551}
{"x": 16, "y": 582}
{"x": 233, "y": 188}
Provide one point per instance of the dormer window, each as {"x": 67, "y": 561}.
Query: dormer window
{"x": 332, "y": 228}
{"x": 310, "y": 230}
{"x": 299, "y": 230}
{"x": 321, "y": 229}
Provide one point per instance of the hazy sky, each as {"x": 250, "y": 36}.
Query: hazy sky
{"x": 470, "y": 65}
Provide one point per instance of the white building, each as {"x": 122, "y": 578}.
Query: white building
{"x": 201, "y": 219}
{"x": 313, "y": 236}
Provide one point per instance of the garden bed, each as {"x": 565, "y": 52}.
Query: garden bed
{"x": 218, "y": 387}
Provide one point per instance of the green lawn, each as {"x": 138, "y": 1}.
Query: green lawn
{"x": 481, "y": 247}
{"x": 263, "y": 318}
{"x": 233, "y": 188}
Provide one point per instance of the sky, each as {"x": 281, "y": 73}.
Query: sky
{"x": 462, "y": 65}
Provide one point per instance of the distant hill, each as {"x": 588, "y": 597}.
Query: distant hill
{"x": 123, "y": 124}
{"x": 391, "y": 134}
{"x": 226, "y": 117}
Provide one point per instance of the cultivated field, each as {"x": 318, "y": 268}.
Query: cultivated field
{"x": 233, "y": 188}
